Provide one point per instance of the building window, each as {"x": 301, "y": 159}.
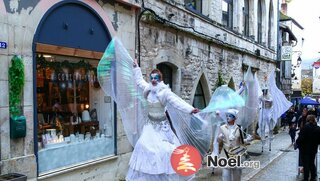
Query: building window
{"x": 227, "y": 13}
{"x": 270, "y": 25}
{"x": 166, "y": 71}
{"x": 199, "y": 97}
{"x": 73, "y": 124}
{"x": 246, "y": 18}
{"x": 259, "y": 22}
{"x": 194, "y": 5}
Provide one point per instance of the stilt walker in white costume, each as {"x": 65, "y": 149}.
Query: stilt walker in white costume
{"x": 265, "y": 117}
{"x": 273, "y": 104}
{"x": 142, "y": 108}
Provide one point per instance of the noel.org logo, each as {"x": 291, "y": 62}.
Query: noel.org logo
{"x": 186, "y": 160}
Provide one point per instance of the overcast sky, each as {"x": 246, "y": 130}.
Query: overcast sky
{"x": 307, "y": 13}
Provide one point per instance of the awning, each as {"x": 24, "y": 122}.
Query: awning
{"x": 286, "y": 28}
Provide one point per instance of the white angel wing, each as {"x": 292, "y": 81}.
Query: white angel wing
{"x": 280, "y": 102}
{"x": 250, "y": 95}
{"x": 258, "y": 88}
{"x": 115, "y": 75}
{"x": 191, "y": 129}
{"x": 204, "y": 125}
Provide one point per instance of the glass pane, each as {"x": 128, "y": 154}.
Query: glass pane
{"x": 73, "y": 124}
{"x": 259, "y": 22}
{"x": 246, "y": 18}
{"x": 224, "y": 6}
{"x": 194, "y": 4}
{"x": 227, "y": 13}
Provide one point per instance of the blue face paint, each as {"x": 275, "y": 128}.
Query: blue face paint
{"x": 231, "y": 116}
{"x": 155, "y": 77}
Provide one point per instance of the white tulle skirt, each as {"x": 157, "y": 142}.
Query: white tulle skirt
{"x": 150, "y": 160}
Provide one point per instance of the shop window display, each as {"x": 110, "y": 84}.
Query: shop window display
{"x": 74, "y": 115}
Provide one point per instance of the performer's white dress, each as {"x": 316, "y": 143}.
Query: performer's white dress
{"x": 265, "y": 116}
{"x": 150, "y": 159}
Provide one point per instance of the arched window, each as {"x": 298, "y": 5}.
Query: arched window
{"x": 246, "y": 18}
{"x": 166, "y": 71}
{"x": 199, "y": 97}
{"x": 227, "y": 11}
{"x": 270, "y": 25}
{"x": 259, "y": 22}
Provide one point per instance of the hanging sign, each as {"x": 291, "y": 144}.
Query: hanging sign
{"x": 3, "y": 45}
{"x": 316, "y": 65}
{"x": 286, "y": 53}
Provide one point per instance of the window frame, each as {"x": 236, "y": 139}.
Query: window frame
{"x": 227, "y": 16}
{"x": 192, "y": 5}
{"x": 259, "y": 22}
{"x": 270, "y": 25}
{"x": 246, "y": 24}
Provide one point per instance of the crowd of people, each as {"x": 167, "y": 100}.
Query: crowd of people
{"x": 304, "y": 125}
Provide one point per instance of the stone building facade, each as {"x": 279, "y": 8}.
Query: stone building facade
{"x": 190, "y": 41}
{"x": 196, "y": 43}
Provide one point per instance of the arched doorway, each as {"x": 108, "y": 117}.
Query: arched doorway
{"x": 69, "y": 105}
{"x": 202, "y": 94}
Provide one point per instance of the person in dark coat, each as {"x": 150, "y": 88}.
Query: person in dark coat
{"x": 291, "y": 117}
{"x": 292, "y": 132}
{"x": 307, "y": 142}
{"x": 303, "y": 118}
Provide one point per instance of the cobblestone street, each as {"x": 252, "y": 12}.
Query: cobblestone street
{"x": 281, "y": 159}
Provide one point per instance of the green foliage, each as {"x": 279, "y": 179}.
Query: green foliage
{"x": 220, "y": 80}
{"x": 231, "y": 84}
{"x": 306, "y": 86}
{"x": 16, "y": 83}
{"x": 57, "y": 66}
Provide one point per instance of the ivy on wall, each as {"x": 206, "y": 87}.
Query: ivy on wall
{"x": 16, "y": 83}
{"x": 220, "y": 80}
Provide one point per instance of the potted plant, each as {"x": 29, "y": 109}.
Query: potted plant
{"x": 16, "y": 84}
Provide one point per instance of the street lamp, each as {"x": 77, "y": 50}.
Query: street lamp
{"x": 299, "y": 60}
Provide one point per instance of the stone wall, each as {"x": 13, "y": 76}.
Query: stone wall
{"x": 202, "y": 58}
{"x": 18, "y": 25}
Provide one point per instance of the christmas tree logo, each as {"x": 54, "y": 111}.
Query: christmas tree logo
{"x": 186, "y": 160}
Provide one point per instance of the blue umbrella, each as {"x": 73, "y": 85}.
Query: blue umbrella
{"x": 308, "y": 101}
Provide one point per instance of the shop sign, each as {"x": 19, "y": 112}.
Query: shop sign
{"x": 3, "y": 45}
{"x": 286, "y": 53}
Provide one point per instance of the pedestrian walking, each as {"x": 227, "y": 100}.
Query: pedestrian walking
{"x": 307, "y": 142}
{"x": 292, "y": 132}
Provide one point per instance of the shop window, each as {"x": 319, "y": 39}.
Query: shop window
{"x": 259, "y": 22}
{"x": 227, "y": 12}
{"x": 199, "y": 97}
{"x": 74, "y": 117}
{"x": 246, "y": 18}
